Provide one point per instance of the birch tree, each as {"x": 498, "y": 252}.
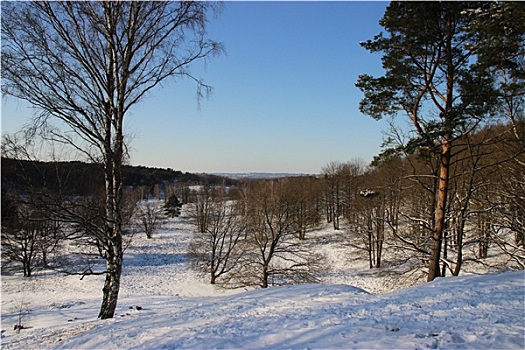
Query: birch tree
{"x": 84, "y": 65}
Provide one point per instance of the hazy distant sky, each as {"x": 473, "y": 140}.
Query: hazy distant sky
{"x": 284, "y": 96}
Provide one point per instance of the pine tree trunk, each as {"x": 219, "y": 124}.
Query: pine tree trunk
{"x": 440, "y": 213}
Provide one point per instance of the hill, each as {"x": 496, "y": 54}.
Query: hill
{"x": 81, "y": 178}
{"x": 259, "y": 176}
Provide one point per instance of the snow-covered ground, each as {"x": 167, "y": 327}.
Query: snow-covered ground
{"x": 165, "y": 304}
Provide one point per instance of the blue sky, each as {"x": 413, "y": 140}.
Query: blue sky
{"x": 284, "y": 96}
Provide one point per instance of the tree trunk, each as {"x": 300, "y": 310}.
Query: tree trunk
{"x": 113, "y": 237}
{"x": 336, "y": 220}
{"x": 265, "y": 276}
{"x": 379, "y": 243}
{"x": 379, "y": 252}
{"x": 440, "y": 213}
{"x": 459, "y": 244}
{"x": 459, "y": 261}
{"x": 370, "y": 258}
{"x": 213, "y": 266}
{"x": 369, "y": 227}
{"x": 445, "y": 254}
{"x": 112, "y": 283}
{"x": 113, "y": 251}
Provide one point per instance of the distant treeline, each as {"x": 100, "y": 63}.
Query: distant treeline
{"x": 79, "y": 178}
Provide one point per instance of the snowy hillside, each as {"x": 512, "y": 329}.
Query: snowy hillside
{"x": 165, "y": 304}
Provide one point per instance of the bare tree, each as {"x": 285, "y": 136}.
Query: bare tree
{"x": 369, "y": 225}
{"x": 332, "y": 185}
{"x": 341, "y": 188}
{"x": 21, "y": 245}
{"x": 216, "y": 250}
{"x": 505, "y": 222}
{"x": 199, "y": 207}
{"x": 305, "y": 194}
{"x": 29, "y": 236}
{"x": 150, "y": 218}
{"x": 502, "y": 34}
{"x": 272, "y": 253}
{"x": 85, "y": 65}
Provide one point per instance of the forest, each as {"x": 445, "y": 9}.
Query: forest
{"x": 250, "y": 232}
{"x": 75, "y": 177}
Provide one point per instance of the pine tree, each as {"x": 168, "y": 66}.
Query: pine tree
{"x": 172, "y": 207}
{"x": 431, "y": 77}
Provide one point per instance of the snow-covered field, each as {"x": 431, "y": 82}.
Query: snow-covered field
{"x": 165, "y": 304}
